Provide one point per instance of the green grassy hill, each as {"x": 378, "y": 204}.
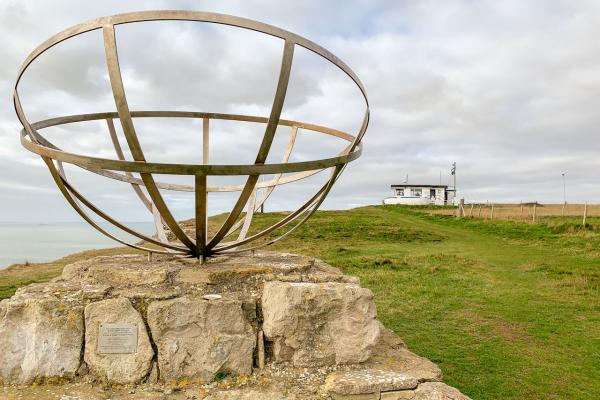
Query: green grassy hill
{"x": 508, "y": 310}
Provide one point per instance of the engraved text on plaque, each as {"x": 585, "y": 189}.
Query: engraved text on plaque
{"x": 117, "y": 338}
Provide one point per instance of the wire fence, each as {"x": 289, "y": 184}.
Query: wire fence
{"x": 524, "y": 211}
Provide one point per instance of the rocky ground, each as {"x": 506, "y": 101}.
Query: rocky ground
{"x": 262, "y": 326}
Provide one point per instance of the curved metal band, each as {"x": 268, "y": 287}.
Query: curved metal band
{"x": 317, "y": 198}
{"x": 116, "y": 223}
{"x": 216, "y": 18}
{"x": 158, "y": 221}
{"x": 121, "y": 156}
{"x": 39, "y": 145}
{"x": 186, "y": 16}
{"x": 288, "y": 219}
{"x": 184, "y": 114}
{"x": 186, "y": 169}
{"x": 114, "y": 73}
{"x": 265, "y": 146}
{"x": 59, "y": 182}
{"x": 190, "y": 114}
{"x": 253, "y": 206}
{"x": 309, "y": 208}
{"x": 129, "y": 178}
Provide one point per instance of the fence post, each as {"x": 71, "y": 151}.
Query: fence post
{"x": 471, "y": 210}
{"x": 479, "y": 213}
{"x": 584, "y": 213}
{"x": 521, "y": 210}
{"x": 534, "y": 210}
{"x": 563, "y": 209}
{"x": 460, "y": 212}
{"x": 492, "y": 212}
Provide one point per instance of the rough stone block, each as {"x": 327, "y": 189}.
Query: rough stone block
{"x": 252, "y": 394}
{"x": 368, "y": 381}
{"x": 391, "y": 354}
{"x": 318, "y": 324}
{"x": 398, "y": 395}
{"x": 147, "y": 293}
{"x": 215, "y": 274}
{"x": 437, "y": 391}
{"x": 198, "y": 338}
{"x": 40, "y": 337}
{"x": 365, "y": 396}
{"x": 116, "y": 271}
{"x": 116, "y": 368}
{"x": 95, "y": 292}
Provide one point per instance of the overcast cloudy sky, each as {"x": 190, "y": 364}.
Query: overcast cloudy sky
{"x": 510, "y": 90}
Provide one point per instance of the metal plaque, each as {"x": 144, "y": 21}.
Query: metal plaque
{"x": 117, "y": 338}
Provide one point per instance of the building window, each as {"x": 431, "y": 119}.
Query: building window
{"x": 417, "y": 192}
{"x": 400, "y": 192}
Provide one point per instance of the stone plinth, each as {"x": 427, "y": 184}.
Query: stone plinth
{"x": 319, "y": 324}
{"x": 119, "y": 363}
{"x": 198, "y": 338}
{"x": 41, "y": 334}
{"x": 282, "y": 325}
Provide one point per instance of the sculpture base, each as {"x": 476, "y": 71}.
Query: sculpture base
{"x": 265, "y": 326}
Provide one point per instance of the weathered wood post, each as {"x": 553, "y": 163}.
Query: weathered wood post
{"x": 460, "y": 212}
{"x": 492, "y": 212}
{"x": 585, "y": 213}
{"x": 534, "y": 211}
{"x": 471, "y": 210}
{"x": 521, "y": 210}
{"x": 480, "y": 207}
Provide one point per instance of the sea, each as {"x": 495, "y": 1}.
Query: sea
{"x": 34, "y": 243}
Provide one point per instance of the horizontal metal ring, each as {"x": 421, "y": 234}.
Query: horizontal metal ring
{"x": 184, "y": 169}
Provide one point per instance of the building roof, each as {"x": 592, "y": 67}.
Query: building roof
{"x": 404, "y": 185}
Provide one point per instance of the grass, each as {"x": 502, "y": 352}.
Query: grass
{"x": 507, "y": 309}
{"x": 19, "y": 275}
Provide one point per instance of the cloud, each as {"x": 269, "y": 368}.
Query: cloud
{"x": 508, "y": 90}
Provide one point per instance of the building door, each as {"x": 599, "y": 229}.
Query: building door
{"x": 432, "y": 193}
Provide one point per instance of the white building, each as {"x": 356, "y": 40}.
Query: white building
{"x": 421, "y": 195}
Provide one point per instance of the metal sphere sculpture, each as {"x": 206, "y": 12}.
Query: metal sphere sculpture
{"x": 121, "y": 169}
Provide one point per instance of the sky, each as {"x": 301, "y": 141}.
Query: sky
{"x": 509, "y": 90}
